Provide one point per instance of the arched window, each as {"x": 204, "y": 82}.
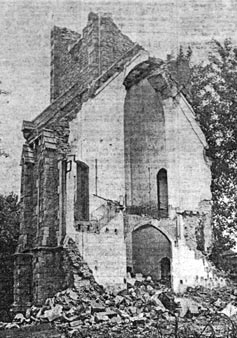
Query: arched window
{"x": 162, "y": 193}
{"x": 81, "y": 206}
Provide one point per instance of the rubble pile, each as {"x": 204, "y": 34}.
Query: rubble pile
{"x": 78, "y": 274}
{"x": 139, "y": 309}
{"x": 145, "y": 308}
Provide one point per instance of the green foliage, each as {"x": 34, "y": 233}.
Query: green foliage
{"x": 213, "y": 97}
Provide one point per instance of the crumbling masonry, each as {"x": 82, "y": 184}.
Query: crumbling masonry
{"x": 117, "y": 162}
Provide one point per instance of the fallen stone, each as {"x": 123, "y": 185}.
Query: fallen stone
{"x": 19, "y": 318}
{"x": 186, "y": 305}
{"x": 139, "y": 277}
{"x": 97, "y": 307}
{"x": 76, "y": 323}
{"x": 110, "y": 313}
{"x": 72, "y": 294}
{"x": 230, "y": 310}
{"x": 146, "y": 297}
{"x": 101, "y": 317}
{"x": 12, "y": 326}
{"x": 49, "y": 302}
{"x": 28, "y": 313}
{"x": 69, "y": 319}
{"x": 149, "y": 288}
{"x": 118, "y": 299}
{"x": 123, "y": 314}
{"x": 138, "y": 319}
{"x": 193, "y": 307}
{"x": 182, "y": 306}
{"x": 54, "y": 313}
{"x": 116, "y": 320}
{"x": 218, "y": 303}
{"x": 2, "y": 325}
{"x": 156, "y": 301}
{"x": 168, "y": 301}
{"x": 132, "y": 310}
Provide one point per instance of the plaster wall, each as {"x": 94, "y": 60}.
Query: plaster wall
{"x": 189, "y": 175}
{"x": 196, "y": 270}
{"x": 105, "y": 253}
{"x": 97, "y": 139}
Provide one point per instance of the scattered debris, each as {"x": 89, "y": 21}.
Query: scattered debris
{"x": 142, "y": 309}
{"x": 146, "y": 308}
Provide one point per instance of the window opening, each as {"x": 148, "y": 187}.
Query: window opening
{"x": 81, "y": 210}
{"x": 162, "y": 192}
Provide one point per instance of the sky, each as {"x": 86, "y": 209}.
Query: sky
{"x": 160, "y": 26}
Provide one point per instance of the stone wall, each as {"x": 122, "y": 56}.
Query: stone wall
{"x": 39, "y": 197}
{"x": 48, "y": 274}
{"x": 23, "y": 281}
{"x": 38, "y": 274}
{"x": 83, "y": 58}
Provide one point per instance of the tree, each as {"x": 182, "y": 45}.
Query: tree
{"x": 9, "y": 232}
{"x": 213, "y": 96}
{"x": 9, "y": 223}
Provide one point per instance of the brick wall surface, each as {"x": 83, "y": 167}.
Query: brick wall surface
{"x": 83, "y": 58}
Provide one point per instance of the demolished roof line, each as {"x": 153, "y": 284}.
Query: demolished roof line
{"x": 77, "y": 89}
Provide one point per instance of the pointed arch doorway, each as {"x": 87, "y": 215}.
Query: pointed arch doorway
{"x": 150, "y": 250}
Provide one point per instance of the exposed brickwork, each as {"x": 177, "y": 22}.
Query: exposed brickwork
{"x": 38, "y": 261}
{"x": 83, "y": 58}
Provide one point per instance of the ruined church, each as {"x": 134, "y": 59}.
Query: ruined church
{"x": 117, "y": 163}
